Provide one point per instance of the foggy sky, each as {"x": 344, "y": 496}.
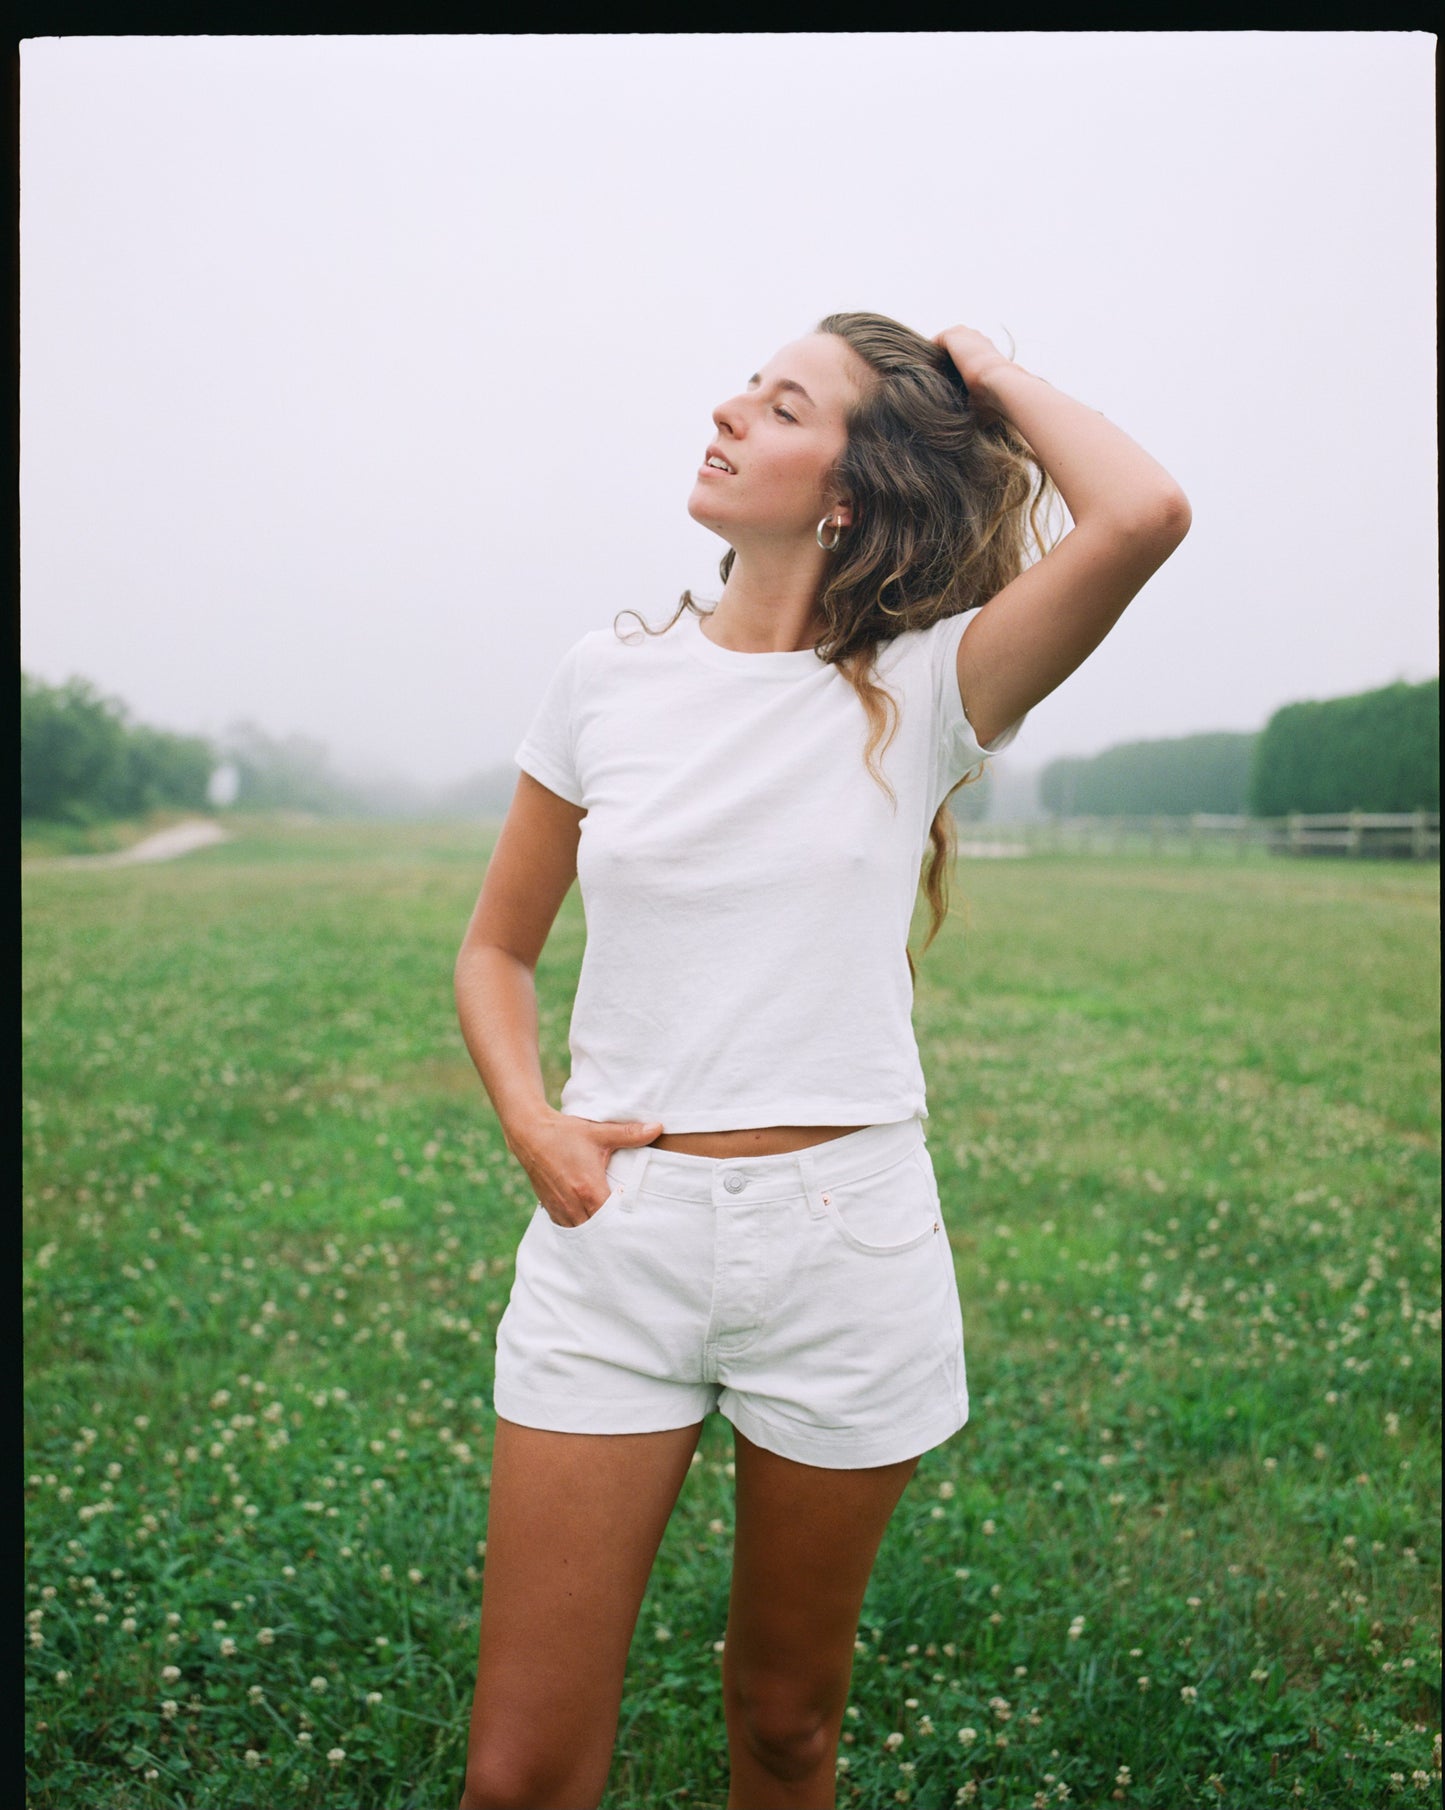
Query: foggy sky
{"x": 360, "y": 376}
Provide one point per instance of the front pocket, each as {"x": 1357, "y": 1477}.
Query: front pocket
{"x": 885, "y": 1214}
{"x": 574, "y": 1234}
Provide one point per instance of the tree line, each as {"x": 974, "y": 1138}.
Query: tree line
{"x": 1373, "y": 751}
{"x": 83, "y": 760}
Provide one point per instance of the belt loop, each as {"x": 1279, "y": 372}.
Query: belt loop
{"x": 634, "y": 1185}
{"x": 808, "y": 1169}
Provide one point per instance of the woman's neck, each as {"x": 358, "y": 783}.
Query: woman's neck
{"x": 769, "y": 605}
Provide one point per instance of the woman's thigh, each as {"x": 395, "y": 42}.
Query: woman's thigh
{"x": 573, "y": 1527}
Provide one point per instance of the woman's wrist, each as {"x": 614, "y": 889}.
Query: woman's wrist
{"x": 523, "y": 1124}
{"x": 1000, "y": 384}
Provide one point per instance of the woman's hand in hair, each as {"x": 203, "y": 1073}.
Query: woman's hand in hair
{"x": 566, "y": 1159}
{"x": 974, "y": 355}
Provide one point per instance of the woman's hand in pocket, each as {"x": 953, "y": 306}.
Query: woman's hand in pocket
{"x": 566, "y": 1159}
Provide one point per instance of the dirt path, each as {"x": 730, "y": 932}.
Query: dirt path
{"x": 165, "y": 845}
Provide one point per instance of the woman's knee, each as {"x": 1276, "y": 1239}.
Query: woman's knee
{"x": 787, "y": 1733}
{"x": 499, "y": 1778}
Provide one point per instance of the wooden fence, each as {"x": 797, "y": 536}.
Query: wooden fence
{"x": 1409, "y": 836}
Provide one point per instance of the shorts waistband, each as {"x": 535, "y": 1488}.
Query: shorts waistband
{"x": 719, "y": 1179}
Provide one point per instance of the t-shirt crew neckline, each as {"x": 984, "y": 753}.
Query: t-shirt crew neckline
{"x": 791, "y": 663}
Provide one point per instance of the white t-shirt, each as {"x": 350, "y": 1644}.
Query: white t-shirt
{"x": 747, "y": 884}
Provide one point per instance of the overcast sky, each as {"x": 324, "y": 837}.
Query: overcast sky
{"x": 361, "y": 375}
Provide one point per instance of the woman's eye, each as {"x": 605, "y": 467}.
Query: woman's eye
{"x": 784, "y": 415}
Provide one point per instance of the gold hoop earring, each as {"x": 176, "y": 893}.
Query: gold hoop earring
{"x": 829, "y": 546}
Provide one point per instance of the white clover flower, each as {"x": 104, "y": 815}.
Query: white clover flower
{"x": 228, "y": 1648}
{"x": 170, "y": 1674}
{"x": 335, "y": 1755}
{"x": 414, "y": 1575}
{"x": 893, "y": 1742}
{"x": 967, "y": 1736}
{"x": 318, "y": 1684}
{"x": 62, "y": 1677}
{"x": 304, "y": 1738}
{"x": 251, "y": 1757}
{"x": 1188, "y": 1693}
{"x": 265, "y": 1637}
{"x": 170, "y": 1709}
{"x": 373, "y": 1697}
{"x": 256, "y": 1694}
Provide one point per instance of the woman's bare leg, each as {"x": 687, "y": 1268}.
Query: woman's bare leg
{"x": 573, "y": 1526}
{"x": 805, "y": 1544}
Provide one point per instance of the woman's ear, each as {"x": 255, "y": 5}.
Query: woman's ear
{"x": 842, "y": 511}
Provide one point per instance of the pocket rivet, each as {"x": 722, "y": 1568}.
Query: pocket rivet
{"x": 827, "y": 1200}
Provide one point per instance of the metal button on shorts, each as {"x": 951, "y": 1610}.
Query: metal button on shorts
{"x": 734, "y": 1183}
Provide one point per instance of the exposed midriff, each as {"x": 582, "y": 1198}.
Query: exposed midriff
{"x": 767, "y": 1140}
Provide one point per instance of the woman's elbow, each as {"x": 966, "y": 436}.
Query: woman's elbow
{"x": 1167, "y": 519}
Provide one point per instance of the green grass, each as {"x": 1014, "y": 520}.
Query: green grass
{"x": 1185, "y": 1120}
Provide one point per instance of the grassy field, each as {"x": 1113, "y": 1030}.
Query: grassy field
{"x": 1185, "y": 1120}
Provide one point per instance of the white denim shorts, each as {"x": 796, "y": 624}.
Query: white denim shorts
{"x": 809, "y": 1297}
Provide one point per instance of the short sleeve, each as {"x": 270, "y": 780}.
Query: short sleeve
{"x": 959, "y": 748}
{"x": 548, "y": 750}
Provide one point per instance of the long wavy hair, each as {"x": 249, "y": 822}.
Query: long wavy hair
{"x": 949, "y": 505}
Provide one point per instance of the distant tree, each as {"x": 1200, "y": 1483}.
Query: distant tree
{"x": 292, "y": 773}
{"x": 1372, "y": 751}
{"x": 162, "y": 769}
{"x": 81, "y": 759}
{"x": 1170, "y": 778}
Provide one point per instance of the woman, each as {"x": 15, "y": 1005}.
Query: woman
{"x": 736, "y": 1207}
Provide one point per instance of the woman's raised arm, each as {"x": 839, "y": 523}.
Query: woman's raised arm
{"x": 1129, "y": 515}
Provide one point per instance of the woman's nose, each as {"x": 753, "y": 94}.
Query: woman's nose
{"x": 725, "y": 418}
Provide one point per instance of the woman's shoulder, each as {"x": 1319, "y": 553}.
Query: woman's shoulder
{"x": 930, "y": 647}
{"x": 630, "y": 634}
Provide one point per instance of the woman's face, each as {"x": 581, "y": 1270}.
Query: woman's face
{"x": 765, "y": 474}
